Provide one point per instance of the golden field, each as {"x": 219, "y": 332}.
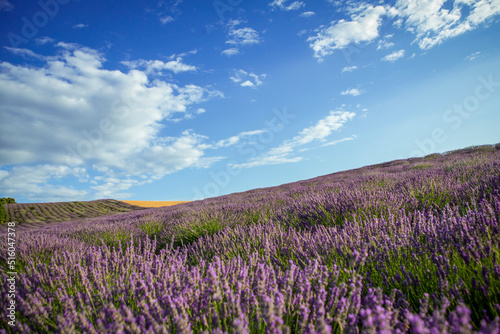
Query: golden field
{"x": 154, "y": 204}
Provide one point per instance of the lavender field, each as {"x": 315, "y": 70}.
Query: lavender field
{"x": 406, "y": 246}
{"x": 29, "y": 214}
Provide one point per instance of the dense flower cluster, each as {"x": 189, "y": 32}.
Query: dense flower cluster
{"x": 408, "y": 246}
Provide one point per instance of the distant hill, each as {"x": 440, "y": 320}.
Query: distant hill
{"x": 36, "y": 213}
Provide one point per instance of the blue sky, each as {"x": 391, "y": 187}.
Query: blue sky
{"x": 183, "y": 100}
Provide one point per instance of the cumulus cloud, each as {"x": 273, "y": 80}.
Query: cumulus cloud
{"x": 352, "y": 92}
{"x": 282, "y": 4}
{"x": 78, "y": 113}
{"x": 363, "y": 27}
{"x": 246, "y": 79}
{"x": 431, "y": 21}
{"x": 334, "y": 121}
{"x": 394, "y": 56}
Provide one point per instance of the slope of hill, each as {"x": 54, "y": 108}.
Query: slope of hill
{"x": 35, "y": 213}
{"x": 154, "y": 204}
{"x": 405, "y": 246}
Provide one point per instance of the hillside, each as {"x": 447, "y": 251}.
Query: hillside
{"x": 28, "y": 214}
{"x": 405, "y": 246}
{"x": 154, "y": 204}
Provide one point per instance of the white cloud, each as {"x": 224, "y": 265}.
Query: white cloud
{"x": 33, "y": 182}
{"x": 3, "y": 174}
{"x": 483, "y": 10}
{"x": 302, "y": 32}
{"x": 431, "y": 21}
{"x": 363, "y": 27}
{"x": 231, "y": 52}
{"x": 80, "y": 26}
{"x": 272, "y": 158}
{"x": 281, "y": 4}
{"x": 112, "y": 187}
{"x": 384, "y": 44}
{"x": 156, "y": 66}
{"x": 6, "y": 5}
{"x": 352, "y": 92}
{"x": 77, "y": 114}
{"x": 473, "y": 56}
{"x": 243, "y": 36}
{"x": 334, "y": 121}
{"x": 335, "y": 142}
{"x": 248, "y": 83}
{"x": 182, "y": 55}
{"x": 246, "y": 79}
{"x": 428, "y": 20}
{"x": 394, "y": 56}
{"x": 44, "y": 40}
{"x": 166, "y": 19}
{"x": 275, "y": 156}
{"x": 349, "y": 68}
{"x": 398, "y": 23}
{"x": 434, "y": 21}
{"x": 165, "y": 11}
{"x": 233, "y": 140}
{"x": 307, "y": 14}
{"x": 25, "y": 53}
{"x": 233, "y": 23}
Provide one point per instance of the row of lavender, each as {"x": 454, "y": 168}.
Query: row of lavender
{"x": 412, "y": 246}
{"x": 30, "y": 213}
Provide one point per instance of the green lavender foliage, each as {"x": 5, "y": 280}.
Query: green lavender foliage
{"x": 3, "y": 213}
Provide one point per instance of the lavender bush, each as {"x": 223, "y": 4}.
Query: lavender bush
{"x": 407, "y": 246}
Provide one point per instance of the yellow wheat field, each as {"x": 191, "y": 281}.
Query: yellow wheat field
{"x": 154, "y": 204}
